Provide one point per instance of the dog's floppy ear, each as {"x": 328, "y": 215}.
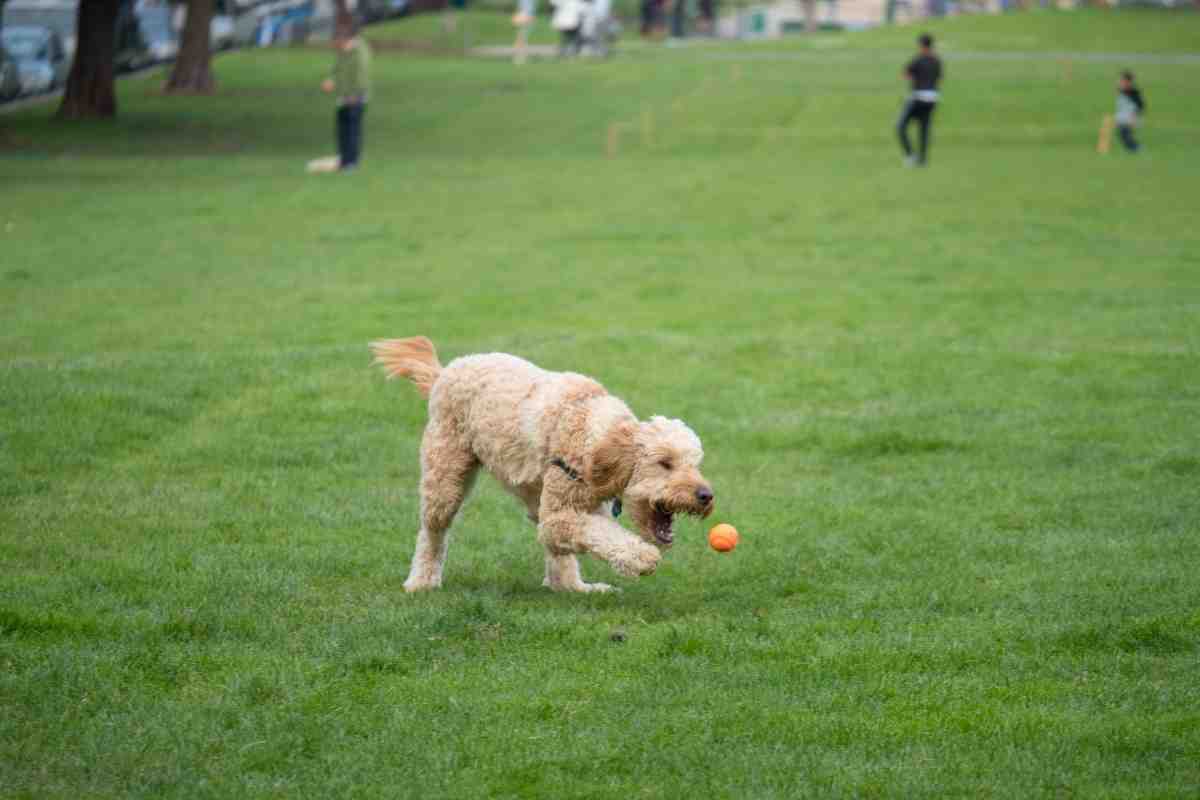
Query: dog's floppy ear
{"x": 611, "y": 464}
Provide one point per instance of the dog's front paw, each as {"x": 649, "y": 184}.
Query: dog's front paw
{"x": 421, "y": 585}
{"x": 641, "y": 559}
{"x": 575, "y": 586}
{"x": 648, "y": 558}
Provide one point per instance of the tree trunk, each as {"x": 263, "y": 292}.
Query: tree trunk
{"x": 192, "y": 73}
{"x": 810, "y": 15}
{"x": 90, "y": 93}
{"x": 343, "y": 20}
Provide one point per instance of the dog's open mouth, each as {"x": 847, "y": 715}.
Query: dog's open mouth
{"x": 660, "y": 524}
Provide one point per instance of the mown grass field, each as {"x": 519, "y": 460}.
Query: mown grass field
{"x": 954, "y": 413}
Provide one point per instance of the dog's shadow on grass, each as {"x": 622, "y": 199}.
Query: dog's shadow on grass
{"x": 642, "y": 601}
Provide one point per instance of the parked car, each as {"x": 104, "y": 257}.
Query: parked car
{"x": 222, "y": 35}
{"x": 58, "y": 17}
{"x": 162, "y": 40}
{"x": 162, "y": 24}
{"x": 40, "y": 56}
{"x": 375, "y": 10}
{"x": 10, "y": 76}
{"x": 130, "y": 51}
{"x": 284, "y": 22}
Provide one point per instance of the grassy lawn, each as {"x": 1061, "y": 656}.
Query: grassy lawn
{"x": 954, "y": 413}
{"x": 1094, "y": 31}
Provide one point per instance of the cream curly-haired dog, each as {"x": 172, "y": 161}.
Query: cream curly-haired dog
{"x": 560, "y": 443}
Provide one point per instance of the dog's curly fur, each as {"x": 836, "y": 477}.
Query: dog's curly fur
{"x": 560, "y": 444}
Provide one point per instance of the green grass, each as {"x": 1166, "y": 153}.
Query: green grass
{"x": 953, "y": 412}
{"x": 1094, "y": 31}
{"x": 429, "y": 32}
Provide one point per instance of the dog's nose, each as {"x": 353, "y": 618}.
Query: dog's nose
{"x": 704, "y": 495}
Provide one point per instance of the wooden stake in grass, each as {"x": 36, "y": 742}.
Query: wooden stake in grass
{"x": 1066, "y": 69}
{"x": 647, "y": 127}
{"x": 613, "y": 144}
{"x": 1106, "y": 129}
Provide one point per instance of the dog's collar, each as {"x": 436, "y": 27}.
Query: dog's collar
{"x": 571, "y": 473}
{"x": 574, "y": 475}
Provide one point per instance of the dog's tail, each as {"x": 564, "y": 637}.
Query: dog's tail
{"x": 413, "y": 358}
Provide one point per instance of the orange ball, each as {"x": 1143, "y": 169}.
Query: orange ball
{"x": 723, "y": 537}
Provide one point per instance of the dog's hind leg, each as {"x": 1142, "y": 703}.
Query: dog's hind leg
{"x": 448, "y": 470}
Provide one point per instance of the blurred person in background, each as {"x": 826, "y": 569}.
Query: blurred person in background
{"x": 351, "y": 85}
{"x": 1130, "y": 107}
{"x": 598, "y": 29}
{"x": 924, "y": 73}
{"x": 523, "y": 20}
{"x": 568, "y": 21}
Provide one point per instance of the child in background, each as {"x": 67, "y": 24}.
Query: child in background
{"x": 351, "y": 85}
{"x": 523, "y": 20}
{"x": 1130, "y": 106}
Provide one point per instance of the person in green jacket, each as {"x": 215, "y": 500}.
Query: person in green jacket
{"x": 351, "y": 85}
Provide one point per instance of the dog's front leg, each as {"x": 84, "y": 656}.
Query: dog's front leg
{"x": 567, "y": 532}
{"x": 624, "y": 552}
{"x": 562, "y": 575}
{"x": 571, "y": 521}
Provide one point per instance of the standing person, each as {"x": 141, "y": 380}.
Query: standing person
{"x": 924, "y": 73}
{"x": 648, "y": 9}
{"x": 597, "y": 29}
{"x": 678, "y": 19}
{"x": 351, "y": 85}
{"x": 1130, "y": 106}
{"x": 568, "y": 21}
{"x": 523, "y": 20}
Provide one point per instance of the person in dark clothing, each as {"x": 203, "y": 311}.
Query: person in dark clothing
{"x": 1130, "y": 107}
{"x": 924, "y": 73}
{"x": 652, "y": 18}
{"x": 351, "y": 85}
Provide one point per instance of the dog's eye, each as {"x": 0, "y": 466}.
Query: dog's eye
{"x": 665, "y": 464}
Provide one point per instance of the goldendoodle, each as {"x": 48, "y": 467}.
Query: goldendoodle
{"x": 562, "y": 445}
